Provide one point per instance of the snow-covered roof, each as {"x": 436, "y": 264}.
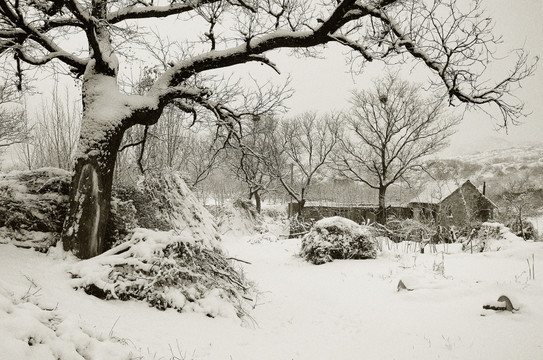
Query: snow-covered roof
{"x": 436, "y": 192}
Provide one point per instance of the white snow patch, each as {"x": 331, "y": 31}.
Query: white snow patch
{"x": 335, "y": 311}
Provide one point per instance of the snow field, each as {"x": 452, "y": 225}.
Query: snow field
{"x": 347, "y": 309}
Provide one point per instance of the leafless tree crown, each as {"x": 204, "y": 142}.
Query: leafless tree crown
{"x": 454, "y": 41}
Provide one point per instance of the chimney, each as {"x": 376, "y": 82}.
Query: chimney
{"x": 484, "y": 187}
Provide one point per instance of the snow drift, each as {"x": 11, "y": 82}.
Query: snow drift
{"x": 337, "y": 238}
{"x": 29, "y": 331}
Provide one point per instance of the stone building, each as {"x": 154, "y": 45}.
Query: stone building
{"x": 446, "y": 203}
{"x": 452, "y": 203}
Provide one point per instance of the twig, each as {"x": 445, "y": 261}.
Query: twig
{"x": 115, "y": 323}
{"x": 235, "y": 259}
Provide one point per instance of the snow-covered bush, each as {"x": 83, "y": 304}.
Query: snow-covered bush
{"x": 527, "y": 231}
{"x": 274, "y": 212}
{"x": 337, "y": 238}
{"x": 34, "y": 203}
{"x": 298, "y": 226}
{"x": 407, "y": 230}
{"x": 168, "y": 270}
{"x": 491, "y": 236}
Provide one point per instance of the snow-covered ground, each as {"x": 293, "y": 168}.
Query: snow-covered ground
{"x": 348, "y": 309}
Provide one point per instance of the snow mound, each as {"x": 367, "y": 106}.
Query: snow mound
{"x": 167, "y": 270}
{"x": 239, "y": 218}
{"x": 28, "y": 331}
{"x": 33, "y": 205}
{"x": 337, "y": 238}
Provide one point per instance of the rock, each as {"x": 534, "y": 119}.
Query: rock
{"x": 408, "y": 283}
{"x": 503, "y": 303}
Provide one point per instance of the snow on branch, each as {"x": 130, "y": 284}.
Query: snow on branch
{"x": 142, "y": 10}
{"x": 23, "y": 30}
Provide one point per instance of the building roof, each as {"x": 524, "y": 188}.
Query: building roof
{"x": 436, "y": 192}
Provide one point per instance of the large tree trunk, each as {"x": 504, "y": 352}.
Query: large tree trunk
{"x": 107, "y": 114}
{"x": 84, "y": 230}
{"x": 382, "y": 210}
{"x": 258, "y": 200}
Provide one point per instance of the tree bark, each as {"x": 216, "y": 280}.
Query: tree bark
{"x": 258, "y": 202}
{"x": 381, "y": 217}
{"x": 84, "y": 231}
{"x": 521, "y": 224}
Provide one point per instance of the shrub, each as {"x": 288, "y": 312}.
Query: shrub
{"x": 167, "y": 270}
{"x": 337, "y": 238}
{"x": 298, "y": 226}
{"x": 527, "y": 231}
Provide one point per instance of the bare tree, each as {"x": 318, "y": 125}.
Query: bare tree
{"x": 13, "y": 129}
{"x": 56, "y": 132}
{"x": 393, "y": 127}
{"x": 517, "y": 197}
{"x": 454, "y": 43}
{"x": 302, "y": 147}
{"x": 250, "y": 162}
{"x": 52, "y": 133}
{"x": 174, "y": 143}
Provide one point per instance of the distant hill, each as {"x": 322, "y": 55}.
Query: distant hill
{"x": 469, "y": 145}
{"x": 495, "y": 167}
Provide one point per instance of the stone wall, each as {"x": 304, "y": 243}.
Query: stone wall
{"x": 359, "y": 214}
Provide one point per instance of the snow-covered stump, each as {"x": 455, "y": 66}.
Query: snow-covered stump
{"x": 504, "y": 303}
{"x": 338, "y": 238}
{"x": 167, "y": 270}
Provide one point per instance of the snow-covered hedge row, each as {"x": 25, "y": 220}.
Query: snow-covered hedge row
{"x": 167, "y": 270}
{"x": 33, "y": 206}
{"x": 337, "y": 238}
